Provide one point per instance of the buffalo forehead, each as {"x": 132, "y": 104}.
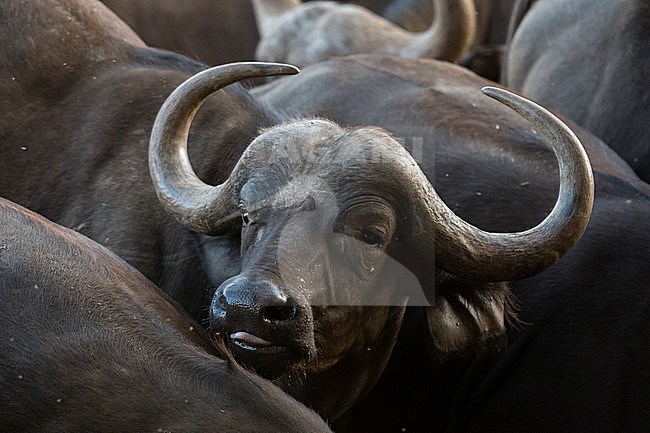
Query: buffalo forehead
{"x": 319, "y": 143}
{"x": 305, "y": 158}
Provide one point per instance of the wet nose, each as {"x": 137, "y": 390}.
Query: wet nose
{"x": 254, "y": 302}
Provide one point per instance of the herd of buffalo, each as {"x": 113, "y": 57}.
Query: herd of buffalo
{"x": 439, "y": 223}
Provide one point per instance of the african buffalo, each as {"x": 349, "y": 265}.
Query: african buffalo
{"x": 576, "y": 358}
{"x": 321, "y": 210}
{"x": 87, "y": 344}
{"x": 306, "y": 33}
{"x": 80, "y": 94}
{"x": 588, "y": 59}
{"x": 331, "y": 275}
{"x": 218, "y": 31}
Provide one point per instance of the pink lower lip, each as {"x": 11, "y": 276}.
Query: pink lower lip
{"x": 250, "y": 339}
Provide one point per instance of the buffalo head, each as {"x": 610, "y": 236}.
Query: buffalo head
{"x": 338, "y": 229}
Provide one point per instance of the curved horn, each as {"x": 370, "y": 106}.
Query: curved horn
{"x": 195, "y": 204}
{"x": 451, "y": 34}
{"x": 469, "y": 252}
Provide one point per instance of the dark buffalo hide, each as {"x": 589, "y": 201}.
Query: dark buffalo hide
{"x": 588, "y": 59}
{"x": 87, "y": 344}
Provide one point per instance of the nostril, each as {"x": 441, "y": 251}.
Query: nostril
{"x": 277, "y": 314}
{"x": 222, "y": 301}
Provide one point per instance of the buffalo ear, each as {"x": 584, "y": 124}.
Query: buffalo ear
{"x": 468, "y": 318}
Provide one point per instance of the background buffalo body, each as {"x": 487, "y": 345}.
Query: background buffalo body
{"x": 81, "y": 98}
{"x": 88, "y": 344}
{"x": 589, "y": 61}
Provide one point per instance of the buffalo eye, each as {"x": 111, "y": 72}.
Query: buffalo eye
{"x": 373, "y": 237}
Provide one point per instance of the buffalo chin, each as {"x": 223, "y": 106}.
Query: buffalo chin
{"x": 270, "y": 362}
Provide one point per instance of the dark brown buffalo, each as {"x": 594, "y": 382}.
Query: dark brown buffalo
{"x": 330, "y": 263}
{"x": 87, "y": 344}
{"x": 339, "y": 229}
{"x": 588, "y": 59}
{"x": 222, "y": 31}
{"x": 81, "y": 94}
{"x": 211, "y": 31}
{"x": 305, "y": 33}
{"x": 576, "y": 356}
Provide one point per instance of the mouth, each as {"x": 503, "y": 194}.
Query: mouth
{"x": 264, "y": 357}
{"x": 249, "y": 342}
